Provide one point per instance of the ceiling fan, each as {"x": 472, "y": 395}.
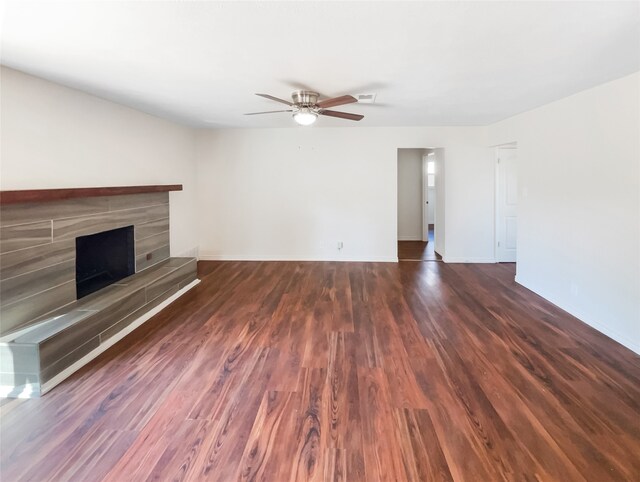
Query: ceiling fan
{"x": 306, "y": 107}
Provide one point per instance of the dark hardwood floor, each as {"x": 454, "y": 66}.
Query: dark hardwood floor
{"x": 341, "y": 372}
{"x": 418, "y": 250}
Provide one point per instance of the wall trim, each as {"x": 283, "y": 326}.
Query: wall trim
{"x": 409, "y": 238}
{"x": 584, "y": 318}
{"x": 462, "y": 259}
{"x": 255, "y": 257}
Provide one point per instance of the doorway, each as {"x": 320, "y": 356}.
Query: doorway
{"x": 506, "y": 203}
{"x": 417, "y": 205}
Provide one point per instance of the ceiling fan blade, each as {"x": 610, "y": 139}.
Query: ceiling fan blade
{"x": 344, "y": 99}
{"x": 267, "y": 96}
{"x": 269, "y": 112}
{"x": 341, "y": 115}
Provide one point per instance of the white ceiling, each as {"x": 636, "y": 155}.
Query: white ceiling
{"x": 431, "y": 63}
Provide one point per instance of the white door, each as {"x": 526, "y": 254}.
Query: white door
{"x": 506, "y": 204}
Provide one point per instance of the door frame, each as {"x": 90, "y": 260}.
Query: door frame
{"x": 440, "y": 178}
{"x": 496, "y": 177}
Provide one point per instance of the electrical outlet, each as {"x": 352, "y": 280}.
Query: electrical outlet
{"x": 340, "y": 245}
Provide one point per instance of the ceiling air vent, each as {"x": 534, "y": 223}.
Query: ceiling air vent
{"x": 366, "y": 98}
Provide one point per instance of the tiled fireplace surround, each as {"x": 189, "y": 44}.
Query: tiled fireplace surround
{"x": 44, "y": 329}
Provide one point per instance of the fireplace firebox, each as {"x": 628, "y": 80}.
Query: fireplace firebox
{"x": 103, "y": 258}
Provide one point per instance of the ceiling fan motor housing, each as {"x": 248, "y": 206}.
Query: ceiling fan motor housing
{"x": 305, "y": 98}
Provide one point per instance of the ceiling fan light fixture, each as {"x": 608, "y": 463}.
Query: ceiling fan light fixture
{"x": 305, "y": 116}
{"x": 306, "y": 107}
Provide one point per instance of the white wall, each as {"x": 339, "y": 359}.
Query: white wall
{"x": 294, "y": 193}
{"x": 579, "y": 204}
{"x": 54, "y": 137}
{"x": 410, "y": 194}
{"x": 264, "y": 193}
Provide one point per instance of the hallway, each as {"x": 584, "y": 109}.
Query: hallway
{"x": 418, "y": 250}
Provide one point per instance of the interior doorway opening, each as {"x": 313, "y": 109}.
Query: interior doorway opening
{"x": 420, "y": 232}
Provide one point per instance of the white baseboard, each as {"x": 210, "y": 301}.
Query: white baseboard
{"x": 460, "y": 259}
{"x": 256, "y": 257}
{"x": 584, "y": 318}
{"x": 410, "y": 238}
{"x": 113, "y": 340}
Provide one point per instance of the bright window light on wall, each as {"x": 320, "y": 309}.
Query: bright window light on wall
{"x": 431, "y": 173}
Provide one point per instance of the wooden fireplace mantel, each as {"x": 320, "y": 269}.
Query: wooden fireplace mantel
{"x": 47, "y": 195}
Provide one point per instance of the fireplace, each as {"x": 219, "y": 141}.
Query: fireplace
{"x": 103, "y": 258}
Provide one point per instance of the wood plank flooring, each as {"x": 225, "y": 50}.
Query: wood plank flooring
{"x": 341, "y": 372}
{"x": 417, "y": 251}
